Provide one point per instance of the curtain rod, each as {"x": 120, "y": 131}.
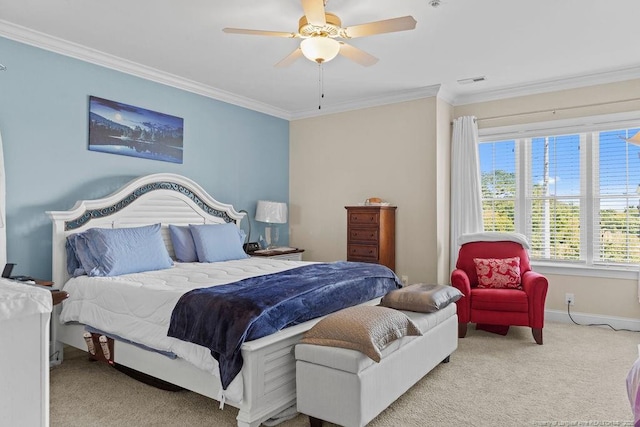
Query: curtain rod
{"x": 555, "y": 110}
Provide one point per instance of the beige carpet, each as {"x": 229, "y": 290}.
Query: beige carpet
{"x": 578, "y": 375}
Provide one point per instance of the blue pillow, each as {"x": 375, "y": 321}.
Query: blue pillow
{"x": 74, "y": 266}
{"x": 218, "y": 242}
{"x": 124, "y": 250}
{"x": 182, "y": 242}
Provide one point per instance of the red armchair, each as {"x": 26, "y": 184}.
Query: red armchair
{"x": 499, "y": 307}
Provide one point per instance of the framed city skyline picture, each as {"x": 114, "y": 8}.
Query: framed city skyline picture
{"x": 123, "y": 129}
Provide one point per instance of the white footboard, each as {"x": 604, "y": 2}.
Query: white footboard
{"x": 269, "y": 370}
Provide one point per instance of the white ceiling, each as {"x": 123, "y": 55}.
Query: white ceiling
{"x": 521, "y": 46}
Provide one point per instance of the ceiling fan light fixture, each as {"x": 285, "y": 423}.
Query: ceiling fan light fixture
{"x": 320, "y": 48}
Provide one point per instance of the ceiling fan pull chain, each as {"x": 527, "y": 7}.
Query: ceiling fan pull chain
{"x": 320, "y": 86}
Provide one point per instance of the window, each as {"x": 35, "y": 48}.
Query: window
{"x": 576, "y": 196}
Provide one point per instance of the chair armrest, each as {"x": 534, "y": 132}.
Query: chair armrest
{"x": 535, "y": 286}
{"x": 460, "y": 281}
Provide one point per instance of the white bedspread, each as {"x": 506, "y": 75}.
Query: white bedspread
{"x": 18, "y": 300}
{"x": 138, "y": 306}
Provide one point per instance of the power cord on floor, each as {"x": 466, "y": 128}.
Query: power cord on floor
{"x": 595, "y": 324}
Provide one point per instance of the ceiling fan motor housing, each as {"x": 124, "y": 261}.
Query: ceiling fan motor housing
{"x": 330, "y": 29}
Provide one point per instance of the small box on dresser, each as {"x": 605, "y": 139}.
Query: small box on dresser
{"x": 371, "y": 234}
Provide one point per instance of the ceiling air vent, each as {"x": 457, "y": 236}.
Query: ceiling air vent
{"x": 472, "y": 80}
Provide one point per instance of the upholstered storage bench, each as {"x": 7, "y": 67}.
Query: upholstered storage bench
{"x": 348, "y": 388}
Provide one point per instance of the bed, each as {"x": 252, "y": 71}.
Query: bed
{"x": 264, "y": 389}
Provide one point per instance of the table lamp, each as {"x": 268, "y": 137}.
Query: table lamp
{"x": 271, "y": 213}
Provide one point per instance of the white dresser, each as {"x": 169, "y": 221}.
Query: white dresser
{"x": 25, "y": 313}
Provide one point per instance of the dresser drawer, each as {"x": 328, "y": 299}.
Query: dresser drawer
{"x": 363, "y": 235}
{"x": 368, "y": 252}
{"x": 364, "y": 217}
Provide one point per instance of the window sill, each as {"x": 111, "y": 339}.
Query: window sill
{"x": 628, "y": 273}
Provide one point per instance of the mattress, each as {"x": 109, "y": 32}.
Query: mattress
{"x": 137, "y": 307}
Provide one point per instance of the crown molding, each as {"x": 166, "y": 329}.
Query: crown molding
{"x": 446, "y": 95}
{"x": 392, "y": 98}
{"x": 551, "y": 85}
{"x": 445, "y": 92}
{"x": 83, "y": 53}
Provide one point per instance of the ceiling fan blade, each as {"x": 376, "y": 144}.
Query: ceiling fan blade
{"x": 289, "y": 59}
{"x": 259, "y": 32}
{"x": 386, "y": 26}
{"x": 314, "y": 11}
{"x": 357, "y": 55}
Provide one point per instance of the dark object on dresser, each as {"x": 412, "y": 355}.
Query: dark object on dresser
{"x": 371, "y": 234}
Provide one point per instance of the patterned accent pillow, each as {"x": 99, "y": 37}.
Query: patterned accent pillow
{"x": 498, "y": 273}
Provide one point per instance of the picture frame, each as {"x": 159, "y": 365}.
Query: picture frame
{"x": 123, "y": 129}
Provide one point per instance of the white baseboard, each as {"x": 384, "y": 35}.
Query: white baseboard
{"x": 593, "y": 319}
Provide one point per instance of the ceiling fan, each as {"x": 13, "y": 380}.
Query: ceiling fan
{"x": 319, "y": 30}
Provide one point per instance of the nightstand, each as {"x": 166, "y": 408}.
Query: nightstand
{"x": 24, "y": 360}
{"x": 56, "y": 294}
{"x": 289, "y": 255}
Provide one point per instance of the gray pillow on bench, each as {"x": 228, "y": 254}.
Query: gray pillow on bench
{"x": 368, "y": 329}
{"x": 421, "y": 297}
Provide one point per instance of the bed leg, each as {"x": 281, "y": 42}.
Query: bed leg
{"x": 315, "y": 422}
{"x": 446, "y": 359}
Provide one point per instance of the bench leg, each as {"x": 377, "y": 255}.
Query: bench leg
{"x": 315, "y": 422}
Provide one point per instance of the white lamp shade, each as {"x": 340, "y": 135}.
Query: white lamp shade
{"x": 320, "y": 49}
{"x": 271, "y": 212}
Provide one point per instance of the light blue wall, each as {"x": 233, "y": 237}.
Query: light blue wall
{"x": 237, "y": 155}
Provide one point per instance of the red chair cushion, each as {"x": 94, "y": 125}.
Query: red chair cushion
{"x": 499, "y": 300}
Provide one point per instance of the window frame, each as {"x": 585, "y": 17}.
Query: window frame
{"x": 584, "y": 126}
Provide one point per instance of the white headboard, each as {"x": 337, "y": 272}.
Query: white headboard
{"x": 159, "y": 198}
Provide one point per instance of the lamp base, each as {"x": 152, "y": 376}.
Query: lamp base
{"x": 271, "y": 234}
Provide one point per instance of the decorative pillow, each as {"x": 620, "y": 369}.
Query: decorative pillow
{"x": 218, "y": 242}
{"x": 367, "y": 329}
{"x": 498, "y": 273}
{"x": 421, "y": 298}
{"x": 116, "y": 251}
{"x": 183, "y": 244}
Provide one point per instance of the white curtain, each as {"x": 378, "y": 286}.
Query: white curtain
{"x": 466, "y": 188}
{"x": 3, "y": 210}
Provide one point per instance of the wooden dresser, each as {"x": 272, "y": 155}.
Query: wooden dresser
{"x": 371, "y": 234}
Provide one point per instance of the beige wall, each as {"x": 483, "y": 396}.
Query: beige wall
{"x": 565, "y": 104}
{"x": 391, "y": 152}
{"x": 601, "y": 296}
{"x": 400, "y": 152}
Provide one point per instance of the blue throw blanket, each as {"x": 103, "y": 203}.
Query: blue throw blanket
{"x": 222, "y": 317}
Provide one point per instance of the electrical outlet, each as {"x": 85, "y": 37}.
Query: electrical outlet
{"x": 405, "y": 280}
{"x": 569, "y": 299}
